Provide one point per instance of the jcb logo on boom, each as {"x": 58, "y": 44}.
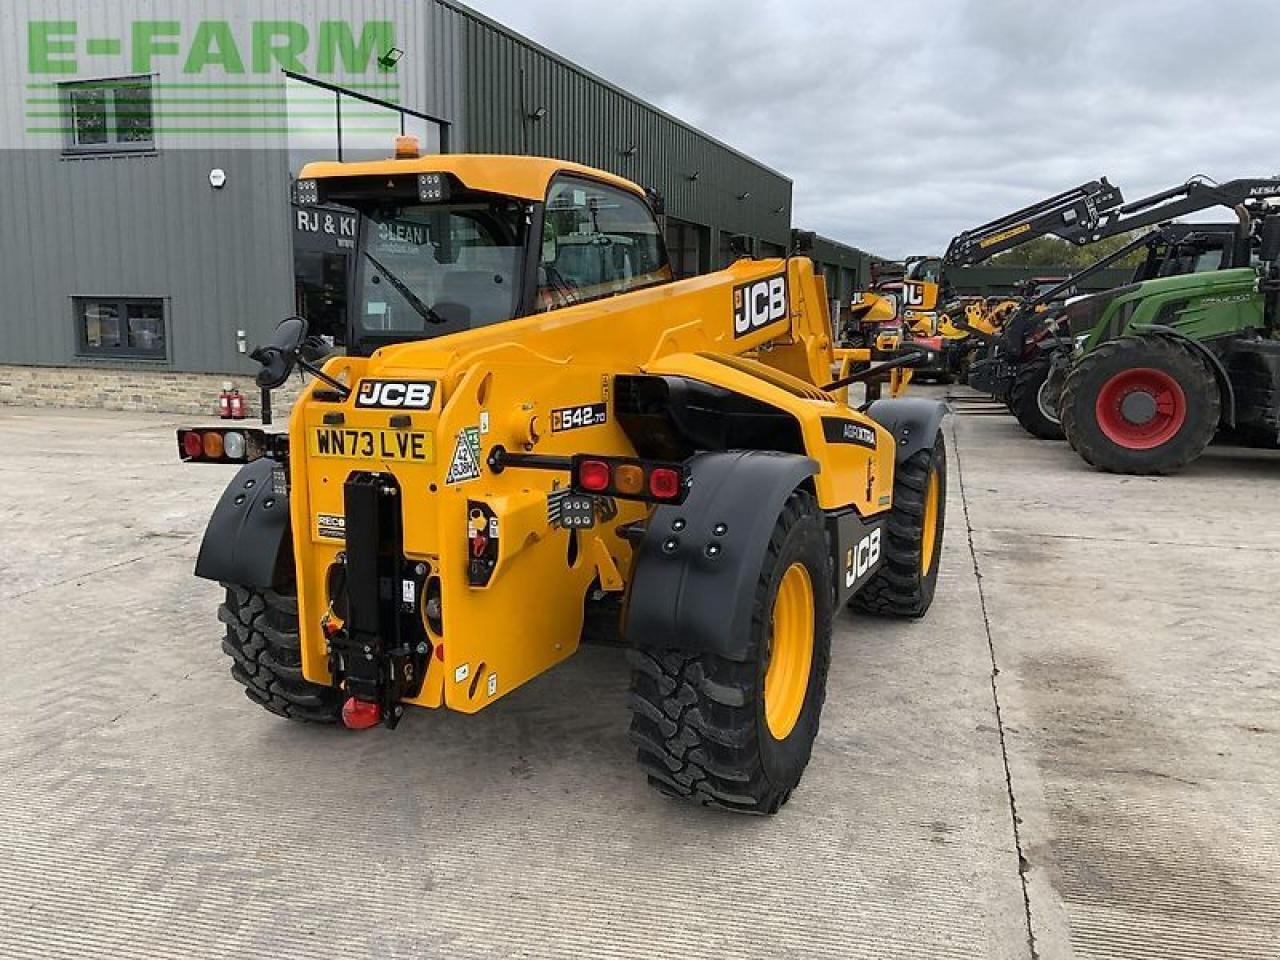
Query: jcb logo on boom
{"x": 758, "y": 304}
{"x": 396, "y": 394}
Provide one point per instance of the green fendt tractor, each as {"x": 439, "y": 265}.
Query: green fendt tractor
{"x": 1170, "y": 361}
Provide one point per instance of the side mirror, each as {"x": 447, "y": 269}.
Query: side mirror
{"x": 280, "y": 356}
{"x": 1269, "y": 239}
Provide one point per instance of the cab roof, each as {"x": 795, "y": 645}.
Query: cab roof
{"x": 513, "y": 176}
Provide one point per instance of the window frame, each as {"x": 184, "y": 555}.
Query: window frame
{"x": 86, "y": 351}
{"x": 114, "y": 145}
{"x": 538, "y": 236}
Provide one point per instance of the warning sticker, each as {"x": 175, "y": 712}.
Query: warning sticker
{"x": 465, "y": 464}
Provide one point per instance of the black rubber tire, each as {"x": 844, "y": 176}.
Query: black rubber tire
{"x": 900, "y": 588}
{"x": 262, "y": 641}
{"x": 1026, "y": 401}
{"x": 698, "y": 719}
{"x": 1078, "y": 406}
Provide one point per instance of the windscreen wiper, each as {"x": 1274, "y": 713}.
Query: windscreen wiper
{"x": 411, "y": 298}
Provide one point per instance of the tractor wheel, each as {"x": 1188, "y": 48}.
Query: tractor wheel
{"x": 1032, "y": 402}
{"x": 262, "y": 641}
{"x": 1140, "y": 405}
{"x": 905, "y": 584}
{"x": 738, "y": 735}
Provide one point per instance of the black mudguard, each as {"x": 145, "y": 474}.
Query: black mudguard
{"x": 913, "y": 421}
{"x": 691, "y": 587}
{"x": 248, "y": 540}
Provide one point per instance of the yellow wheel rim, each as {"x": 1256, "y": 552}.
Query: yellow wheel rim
{"x": 929, "y": 536}
{"x": 790, "y": 653}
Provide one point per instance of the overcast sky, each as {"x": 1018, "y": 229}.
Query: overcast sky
{"x": 904, "y": 122}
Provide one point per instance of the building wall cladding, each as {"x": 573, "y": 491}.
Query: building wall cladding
{"x": 144, "y": 226}
{"x": 507, "y": 77}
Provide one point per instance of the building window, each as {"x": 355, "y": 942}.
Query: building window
{"x": 131, "y": 329}
{"x": 109, "y": 116}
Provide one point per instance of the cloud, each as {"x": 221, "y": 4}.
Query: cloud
{"x": 903, "y": 123}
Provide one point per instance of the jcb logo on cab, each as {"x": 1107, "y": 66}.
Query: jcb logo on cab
{"x": 759, "y": 303}
{"x": 913, "y": 293}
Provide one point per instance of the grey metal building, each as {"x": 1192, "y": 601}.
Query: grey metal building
{"x": 145, "y": 174}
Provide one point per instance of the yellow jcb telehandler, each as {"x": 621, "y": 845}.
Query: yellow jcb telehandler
{"x": 533, "y": 426}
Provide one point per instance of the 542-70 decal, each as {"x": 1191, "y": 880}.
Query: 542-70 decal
{"x": 583, "y": 415}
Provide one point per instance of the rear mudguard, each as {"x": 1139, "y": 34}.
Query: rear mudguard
{"x": 913, "y": 421}
{"x": 248, "y": 541}
{"x": 697, "y": 567}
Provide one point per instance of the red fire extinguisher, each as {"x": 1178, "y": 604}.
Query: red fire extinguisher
{"x": 224, "y": 404}
{"x": 237, "y": 405}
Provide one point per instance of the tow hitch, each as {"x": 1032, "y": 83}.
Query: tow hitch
{"x": 380, "y": 651}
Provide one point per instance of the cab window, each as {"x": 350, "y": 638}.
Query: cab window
{"x": 597, "y": 241}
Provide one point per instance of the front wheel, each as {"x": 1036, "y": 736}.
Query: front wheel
{"x": 738, "y": 735}
{"x": 266, "y": 656}
{"x": 1033, "y": 402}
{"x": 905, "y": 584}
{"x": 1140, "y": 405}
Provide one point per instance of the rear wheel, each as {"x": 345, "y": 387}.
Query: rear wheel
{"x": 738, "y": 735}
{"x": 905, "y": 584}
{"x": 1143, "y": 405}
{"x": 266, "y": 653}
{"x": 1033, "y": 402}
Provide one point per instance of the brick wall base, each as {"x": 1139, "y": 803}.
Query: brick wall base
{"x": 153, "y": 391}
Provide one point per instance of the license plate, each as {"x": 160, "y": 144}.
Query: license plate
{"x": 413, "y": 446}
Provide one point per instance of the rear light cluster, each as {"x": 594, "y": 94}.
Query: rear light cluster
{"x": 630, "y": 479}
{"x": 220, "y": 445}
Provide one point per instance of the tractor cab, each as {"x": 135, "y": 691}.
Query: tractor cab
{"x": 452, "y": 243}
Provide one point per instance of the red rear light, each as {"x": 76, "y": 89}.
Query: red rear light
{"x": 593, "y": 475}
{"x": 192, "y": 445}
{"x": 664, "y": 483}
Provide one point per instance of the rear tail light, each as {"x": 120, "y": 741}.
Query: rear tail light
{"x": 221, "y": 445}
{"x": 593, "y": 476}
{"x": 631, "y": 479}
{"x": 664, "y": 483}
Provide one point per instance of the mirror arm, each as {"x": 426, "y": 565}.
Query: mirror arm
{"x": 319, "y": 374}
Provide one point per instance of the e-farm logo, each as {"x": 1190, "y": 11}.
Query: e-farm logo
{"x": 205, "y": 76}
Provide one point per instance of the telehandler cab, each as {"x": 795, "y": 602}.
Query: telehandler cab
{"x": 535, "y": 426}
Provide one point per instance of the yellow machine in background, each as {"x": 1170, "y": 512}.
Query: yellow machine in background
{"x": 535, "y": 428}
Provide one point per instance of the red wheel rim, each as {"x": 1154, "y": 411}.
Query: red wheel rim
{"x": 1141, "y": 408}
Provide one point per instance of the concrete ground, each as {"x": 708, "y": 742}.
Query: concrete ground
{"x": 1076, "y": 754}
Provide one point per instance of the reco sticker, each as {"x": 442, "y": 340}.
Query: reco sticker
{"x": 331, "y": 526}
